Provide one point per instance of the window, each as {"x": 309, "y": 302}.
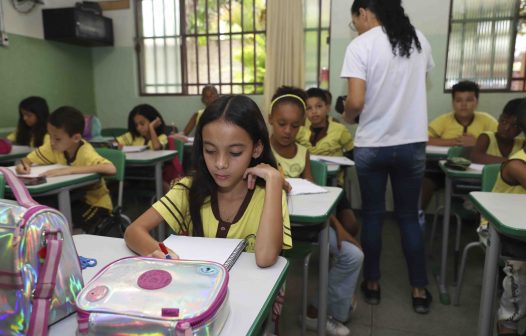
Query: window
{"x": 487, "y": 44}
{"x": 183, "y": 45}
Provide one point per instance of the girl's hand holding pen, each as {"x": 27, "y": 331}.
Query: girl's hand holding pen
{"x": 163, "y": 253}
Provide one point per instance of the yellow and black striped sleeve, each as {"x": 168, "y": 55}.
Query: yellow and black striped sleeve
{"x": 43, "y": 155}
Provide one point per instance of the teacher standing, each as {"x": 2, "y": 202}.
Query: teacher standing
{"x": 386, "y": 68}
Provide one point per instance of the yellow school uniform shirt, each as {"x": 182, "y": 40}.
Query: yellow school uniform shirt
{"x": 127, "y": 139}
{"x": 337, "y": 141}
{"x": 97, "y": 194}
{"x": 295, "y": 166}
{"x": 446, "y": 126}
{"x": 502, "y": 187}
{"x": 199, "y": 113}
{"x": 493, "y": 146}
{"x": 12, "y": 137}
{"x": 175, "y": 210}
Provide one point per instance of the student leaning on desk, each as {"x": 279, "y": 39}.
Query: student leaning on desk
{"x": 32, "y": 123}
{"x": 145, "y": 127}
{"x": 66, "y": 146}
{"x": 458, "y": 128}
{"x": 512, "y": 179}
{"x": 235, "y": 192}
{"x": 287, "y": 112}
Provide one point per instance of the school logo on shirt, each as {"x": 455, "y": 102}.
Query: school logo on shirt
{"x": 250, "y": 243}
{"x": 295, "y": 169}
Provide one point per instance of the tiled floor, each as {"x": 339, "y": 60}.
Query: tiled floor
{"x": 395, "y": 315}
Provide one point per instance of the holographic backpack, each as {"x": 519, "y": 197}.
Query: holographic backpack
{"x": 150, "y": 296}
{"x": 40, "y": 273}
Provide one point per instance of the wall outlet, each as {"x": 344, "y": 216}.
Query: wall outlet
{"x": 4, "y": 40}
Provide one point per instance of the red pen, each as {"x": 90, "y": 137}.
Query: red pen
{"x": 165, "y": 251}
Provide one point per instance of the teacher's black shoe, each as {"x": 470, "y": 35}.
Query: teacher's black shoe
{"x": 371, "y": 296}
{"x": 421, "y": 305}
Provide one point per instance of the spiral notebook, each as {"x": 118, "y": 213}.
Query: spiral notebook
{"x": 224, "y": 251}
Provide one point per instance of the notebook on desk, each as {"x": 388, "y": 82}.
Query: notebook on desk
{"x": 224, "y": 251}
{"x": 133, "y": 149}
{"x": 340, "y": 160}
{"x": 302, "y": 187}
{"x": 37, "y": 171}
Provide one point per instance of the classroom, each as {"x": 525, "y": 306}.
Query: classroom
{"x": 173, "y": 91}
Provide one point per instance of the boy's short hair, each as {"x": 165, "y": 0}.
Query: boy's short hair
{"x": 511, "y": 109}
{"x": 324, "y": 95}
{"x": 209, "y": 88}
{"x": 69, "y": 119}
{"x": 465, "y": 86}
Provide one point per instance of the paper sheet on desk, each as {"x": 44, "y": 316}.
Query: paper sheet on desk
{"x": 36, "y": 171}
{"x": 133, "y": 149}
{"x": 301, "y": 187}
{"x": 341, "y": 160}
{"x": 476, "y": 166}
{"x": 224, "y": 251}
{"x": 437, "y": 149}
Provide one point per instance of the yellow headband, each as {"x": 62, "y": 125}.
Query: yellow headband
{"x": 288, "y": 95}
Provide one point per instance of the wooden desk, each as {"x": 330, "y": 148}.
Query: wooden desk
{"x": 156, "y": 159}
{"x": 251, "y": 289}
{"x": 316, "y": 209}
{"x": 505, "y": 214}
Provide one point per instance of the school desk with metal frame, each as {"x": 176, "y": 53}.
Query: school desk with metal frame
{"x": 251, "y": 289}
{"x": 315, "y": 209}
{"x": 156, "y": 159}
{"x": 469, "y": 176}
{"x": 16, "y": 153}
{"x": 61, "y": 186}
{"x": 505, "y": 214}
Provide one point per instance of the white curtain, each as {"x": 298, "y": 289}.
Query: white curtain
{"x": 285, "y": 63}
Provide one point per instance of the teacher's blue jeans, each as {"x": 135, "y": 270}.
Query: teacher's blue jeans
{"x": 404, "y": 165}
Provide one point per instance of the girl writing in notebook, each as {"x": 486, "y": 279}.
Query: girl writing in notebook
{"x": 146, "y": 127}
{"x": 287, "y": 113}
{"x": 32, "y": 123}
{"x": 235, "y": 192}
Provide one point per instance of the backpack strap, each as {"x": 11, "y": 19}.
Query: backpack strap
{"x": 18, "y": 188}
{"x": 45, "y": 285}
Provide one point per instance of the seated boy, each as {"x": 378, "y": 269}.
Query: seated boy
{"x": 496, "y": 147}
{"x": 512, "y": 179}
{"x": 458, "y": 128}
{"x": 66, "y": 146}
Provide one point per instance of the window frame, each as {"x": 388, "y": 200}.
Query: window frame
{"x": 515, "y": 19}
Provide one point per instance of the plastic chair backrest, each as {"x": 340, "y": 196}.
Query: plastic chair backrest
{"x": 113, "y": 131}
{"x": 179, "y": 145}
{"x": 458, "y": 151}
{"x": 319, "y": 172}
{"x": 489, "y": 176}
{"x": 2, "y": 186}
{"x": 118, "y": 159}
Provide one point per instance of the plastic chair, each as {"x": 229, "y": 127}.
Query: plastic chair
{"x": 2, "y": 186}
{"x": 457, "y": 208}
{"x": 113, "y": 131}
{"x": 489, "y": 177}
{"x": 303, "y": 248}
{"x": 118, "y": 158}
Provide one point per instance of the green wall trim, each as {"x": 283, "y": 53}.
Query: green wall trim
{"x": 61, "y": 73}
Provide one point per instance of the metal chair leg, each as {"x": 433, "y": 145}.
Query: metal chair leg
{"x": 306, "y": 261}
{"x": 462, "y": 269}
{"x": 457, "y": 249}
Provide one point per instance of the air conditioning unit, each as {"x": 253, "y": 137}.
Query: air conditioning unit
{"x": 77, "y": 26}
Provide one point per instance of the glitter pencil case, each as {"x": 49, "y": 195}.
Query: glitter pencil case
{"x": 149, "y": 296}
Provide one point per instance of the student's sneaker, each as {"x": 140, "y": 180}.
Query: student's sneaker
{"x": 333, "y": 327}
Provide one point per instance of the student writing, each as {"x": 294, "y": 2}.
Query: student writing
{"x": 32, "y": 123}
{"x": 235, "y": 192}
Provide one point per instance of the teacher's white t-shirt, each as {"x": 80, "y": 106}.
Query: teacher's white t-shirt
{"x": 395, "y": 110}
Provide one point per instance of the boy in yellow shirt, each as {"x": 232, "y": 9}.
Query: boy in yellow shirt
{"x": 458, "y": 128}
{"x": 66, "y": 146}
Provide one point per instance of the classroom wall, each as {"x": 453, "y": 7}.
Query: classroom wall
{"x": 431, "y": 17}
{"x": 61, "y": 73}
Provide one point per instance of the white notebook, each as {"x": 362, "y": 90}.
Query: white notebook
{"x": 36, "y": 171}
{"x": 301, "y": 187}
{"x": 341, "y": 160}
{"x": 224, "y": 251}
{"x": 132, "y": 149}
